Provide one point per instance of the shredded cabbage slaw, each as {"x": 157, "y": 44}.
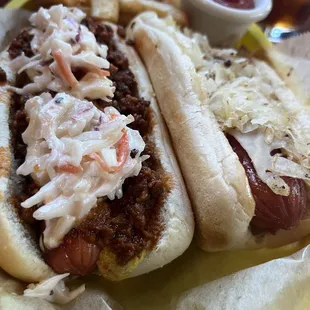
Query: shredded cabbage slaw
{"x": 61, "y": 44}
{"x": 76, "y": 153}
{"x": 54, "y": 290}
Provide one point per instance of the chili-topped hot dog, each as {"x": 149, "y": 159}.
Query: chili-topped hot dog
{"x": 90, "y": 174}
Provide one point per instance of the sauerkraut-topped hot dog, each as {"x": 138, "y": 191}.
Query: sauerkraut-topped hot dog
{"x": 242, "y": 138}
{"x": 88, "y": 171}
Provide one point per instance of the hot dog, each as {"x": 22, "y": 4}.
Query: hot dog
{"x": 89, "y": 180}
{"x": 241, "y": 136}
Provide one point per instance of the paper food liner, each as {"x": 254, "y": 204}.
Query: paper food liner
{"x": 291, "y": 58}
{"x": 186, "y": 282}
{"x": 280, "y": 284}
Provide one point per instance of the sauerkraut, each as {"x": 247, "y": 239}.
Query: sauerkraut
{"x": 249, "y": 104}
{"x": 257, "y": 109}
{"x": 76, "y": 153}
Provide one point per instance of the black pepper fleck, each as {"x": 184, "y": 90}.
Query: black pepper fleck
{"x": 289, "y": 72}
{"x": 121, "y": 31}
{"x": 59, "y": 100}
{"x": 2, "y": 75}
{"x": 227, "y": 63}
{"x": 130, "y": 42}
{"x": 133, "y": 153}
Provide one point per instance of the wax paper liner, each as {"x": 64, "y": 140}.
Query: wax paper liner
{"x": 279, "y": 284}
{"x": 291, "y": 59}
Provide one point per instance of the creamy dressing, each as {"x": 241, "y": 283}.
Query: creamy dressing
{"x": 247, "y": 107}
{"x": 54, "y": 290}
{"x": 76, "y": 153}
{"x": 259, "y": 152}
{"x": 246, "y": 104}
{"x": 61, "y": 44}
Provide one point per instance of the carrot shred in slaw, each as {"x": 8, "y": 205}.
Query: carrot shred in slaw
{"x": 103, "y": 73}
{"x": 65, "y": 68}
{"x": 122, "y": 151}
{"x": 70, "y": 168}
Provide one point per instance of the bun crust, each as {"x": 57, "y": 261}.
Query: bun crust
{"x": 131, "y": 8}
{"x": 177, "y": 213}
{"x": 216, "y": 180}
{"x": 222, "y": 201}
{"x": 20, "y": 253}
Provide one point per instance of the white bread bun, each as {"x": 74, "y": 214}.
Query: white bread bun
{"x": 177, "y": 214}
{"x": 131, "y": 8}
{"x": 216, "y": 180}
{"x": 20, "y": 253}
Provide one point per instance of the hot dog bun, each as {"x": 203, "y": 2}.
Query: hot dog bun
{"x": 219, "y": 189}
{"x": 130, "y": 8}
{"x": 20, "y": 254}
{"x": 177, "y": 213}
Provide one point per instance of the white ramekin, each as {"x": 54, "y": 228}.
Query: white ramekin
{"x": 224, "y": 26}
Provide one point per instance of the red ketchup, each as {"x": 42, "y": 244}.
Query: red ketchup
{"x": 237, "y": 4}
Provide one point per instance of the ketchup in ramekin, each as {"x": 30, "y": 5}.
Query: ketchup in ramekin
{"x": 237, "y": 4}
